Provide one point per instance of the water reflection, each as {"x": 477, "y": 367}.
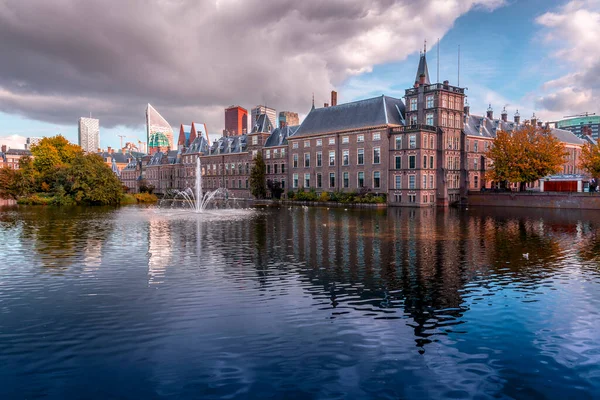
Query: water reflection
{"x": 308, "y": 303}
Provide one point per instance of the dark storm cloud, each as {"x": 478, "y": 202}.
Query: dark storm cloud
{"x": 190, "y": 58}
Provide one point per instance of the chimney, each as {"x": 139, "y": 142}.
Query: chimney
{"x": 517, "y": 118}
{"x": 110, "y": 150}
{"x": 490, "y": 112}
{"x": 534, "y": 120}
{"x": 333, "y": 98}
{"x": 325, "y": 105}
{"x": 422, "y": 79}
{"x": 504, "y": 115}
{"x": 4, "y": 148}
{"x": 540, "y": 124}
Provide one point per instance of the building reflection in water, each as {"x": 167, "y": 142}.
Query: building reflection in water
{"x": 159, "y": 249}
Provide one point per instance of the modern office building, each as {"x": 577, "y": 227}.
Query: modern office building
{"x": 259, "y": 110}
{"x": 159, "y": 132}
{"x": 288, "y": 118}
{"x": 236, "y": 121}
{"x": 89, "y": 134}
{"x": 581, "y": 125}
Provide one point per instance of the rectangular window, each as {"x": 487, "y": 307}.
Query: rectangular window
{"x": 239, "y": 183}
{"x": 283, "y": 168}
{"x": 319, "y": 159}
{"x": 306, "y": 160}
{"x": 319, "y": 181}
{"x": 268, "y": 155}
{"x": 307, "y": 143}
{"x": 360, "y": 179}
{"x": 295, "y": 181}
{"x": 475, "y": 164}
{"x": 413, "y": 104}
{"x": 376, "y": 179}
{"x": 376, "y": 155}
{"x": 429, "y": 119}
{"x": 360, "y": 138}
{"x": 360, "y": 157}
{"x": 345, "y": 140}
{"x": 468, "y": 145}
{"x": 331, "y": 140}
{"x": 332, "y": 179}
{"x": 254, "y": 140}
{"x": 275, "y": 168}
{"x": 268, "y": 168}
{"x": 282, "y": 184}
{"x": 331, "y": 158}
{"x": 346, "y": 157}
{"x": 294, "y": 145}
{"x": 398, "y": 162}
{"x": 319, "y": 142}
{"x": 398, "y": 181}
{"x": 306, "y": 180}
{"x": 476, "y": 146}
{"x": 444, "y": 119}
{"x": 431, "y": 162}
{"x": 412, "y": 162}
{"x": 412, "y": 142}
{"x": 476, "y": 180}
{"x": 376, "y": 136}
{"x": 424, "y": 182}
{"x": 424, "y": 161}
{"x": 295, "y": 164}
{"x": 282, "y": 152}
{"x": 413, "y": 119}
{"x": 411, "y": 181}
{"x": 398, "y": 142}
{"x": 431, "y": 183}
{"x": 431, "y": 143}
{"x": 430, "y": 102}
{"x": 346, "y": 179}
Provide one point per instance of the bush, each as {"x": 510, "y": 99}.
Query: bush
{"x": 35, "y": 200}
{"x": 324, "y": 197}
{"x": 128, "y": 199}
{"x": 291, "y": 194}
{"x": 146, "y": 198}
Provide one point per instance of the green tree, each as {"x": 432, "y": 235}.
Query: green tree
{"x": 590, "y": 159}
{"x": 89, "y": 180}
{"x": 51, "y": 153}
{"x": 525, "y": 155}
{"x": 258, "y": 187}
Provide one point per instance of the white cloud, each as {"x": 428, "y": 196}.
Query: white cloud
{"x": 192, "y": 58}
{"x": 574, "y": 33}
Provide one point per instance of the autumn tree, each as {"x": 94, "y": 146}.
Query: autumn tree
{"x": 590, "y": 159}
{"x": 525, "y": 155}
{"x": 52, "y": 152}
{"x": 258, "y": 187}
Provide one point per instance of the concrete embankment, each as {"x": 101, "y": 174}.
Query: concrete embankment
{"x": 581, "y": 201}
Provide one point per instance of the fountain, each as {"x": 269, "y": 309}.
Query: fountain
{"x": 197, "y": 199}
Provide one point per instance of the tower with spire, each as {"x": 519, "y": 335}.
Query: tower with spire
{"x": 434, "y": 121}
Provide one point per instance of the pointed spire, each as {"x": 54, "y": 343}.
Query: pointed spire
{"x": 422, "y": 71}
{"x": 313, "y": 101}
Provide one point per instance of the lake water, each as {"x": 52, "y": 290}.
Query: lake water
{"x": 135, "y": 303}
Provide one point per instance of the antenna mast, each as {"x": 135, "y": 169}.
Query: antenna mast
{"x": 458, "y": 66}
{"x": 438, "y": 61}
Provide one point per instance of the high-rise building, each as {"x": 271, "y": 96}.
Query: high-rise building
{"x": 236, "y": 120}
{"x": 258, "y": 110}
{"x": 159, "y": 132}
{"x": 288, "y": 118}
{"x": 89, "y": 134}
{"x": 584, "y": 124}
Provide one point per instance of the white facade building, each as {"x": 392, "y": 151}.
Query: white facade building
{"x": 89, "y": 134}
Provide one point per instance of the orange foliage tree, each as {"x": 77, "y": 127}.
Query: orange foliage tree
{"x": 525, "y": 155}
{"x": 590, "y": 159}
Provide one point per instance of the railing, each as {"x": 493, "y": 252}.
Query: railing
{"x": 449, "y": 88}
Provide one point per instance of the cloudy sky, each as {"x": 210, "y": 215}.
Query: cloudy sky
{"x": 63, "y": 59}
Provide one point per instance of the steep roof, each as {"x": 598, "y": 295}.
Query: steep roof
{"x": 199, "y": 145}
{"x": 263, "y": 124}
{"x": 228, "y": 144}
{"x": 479, "y": 126}
{"x": 279, "y": 136}
{"x": 377, "y": 111}
{"x": 423, "y": 70}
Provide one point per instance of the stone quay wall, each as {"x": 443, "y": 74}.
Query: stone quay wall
{"x": 581, "y": 201}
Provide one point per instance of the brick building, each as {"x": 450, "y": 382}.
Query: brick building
{"x": 429, "y": 152}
